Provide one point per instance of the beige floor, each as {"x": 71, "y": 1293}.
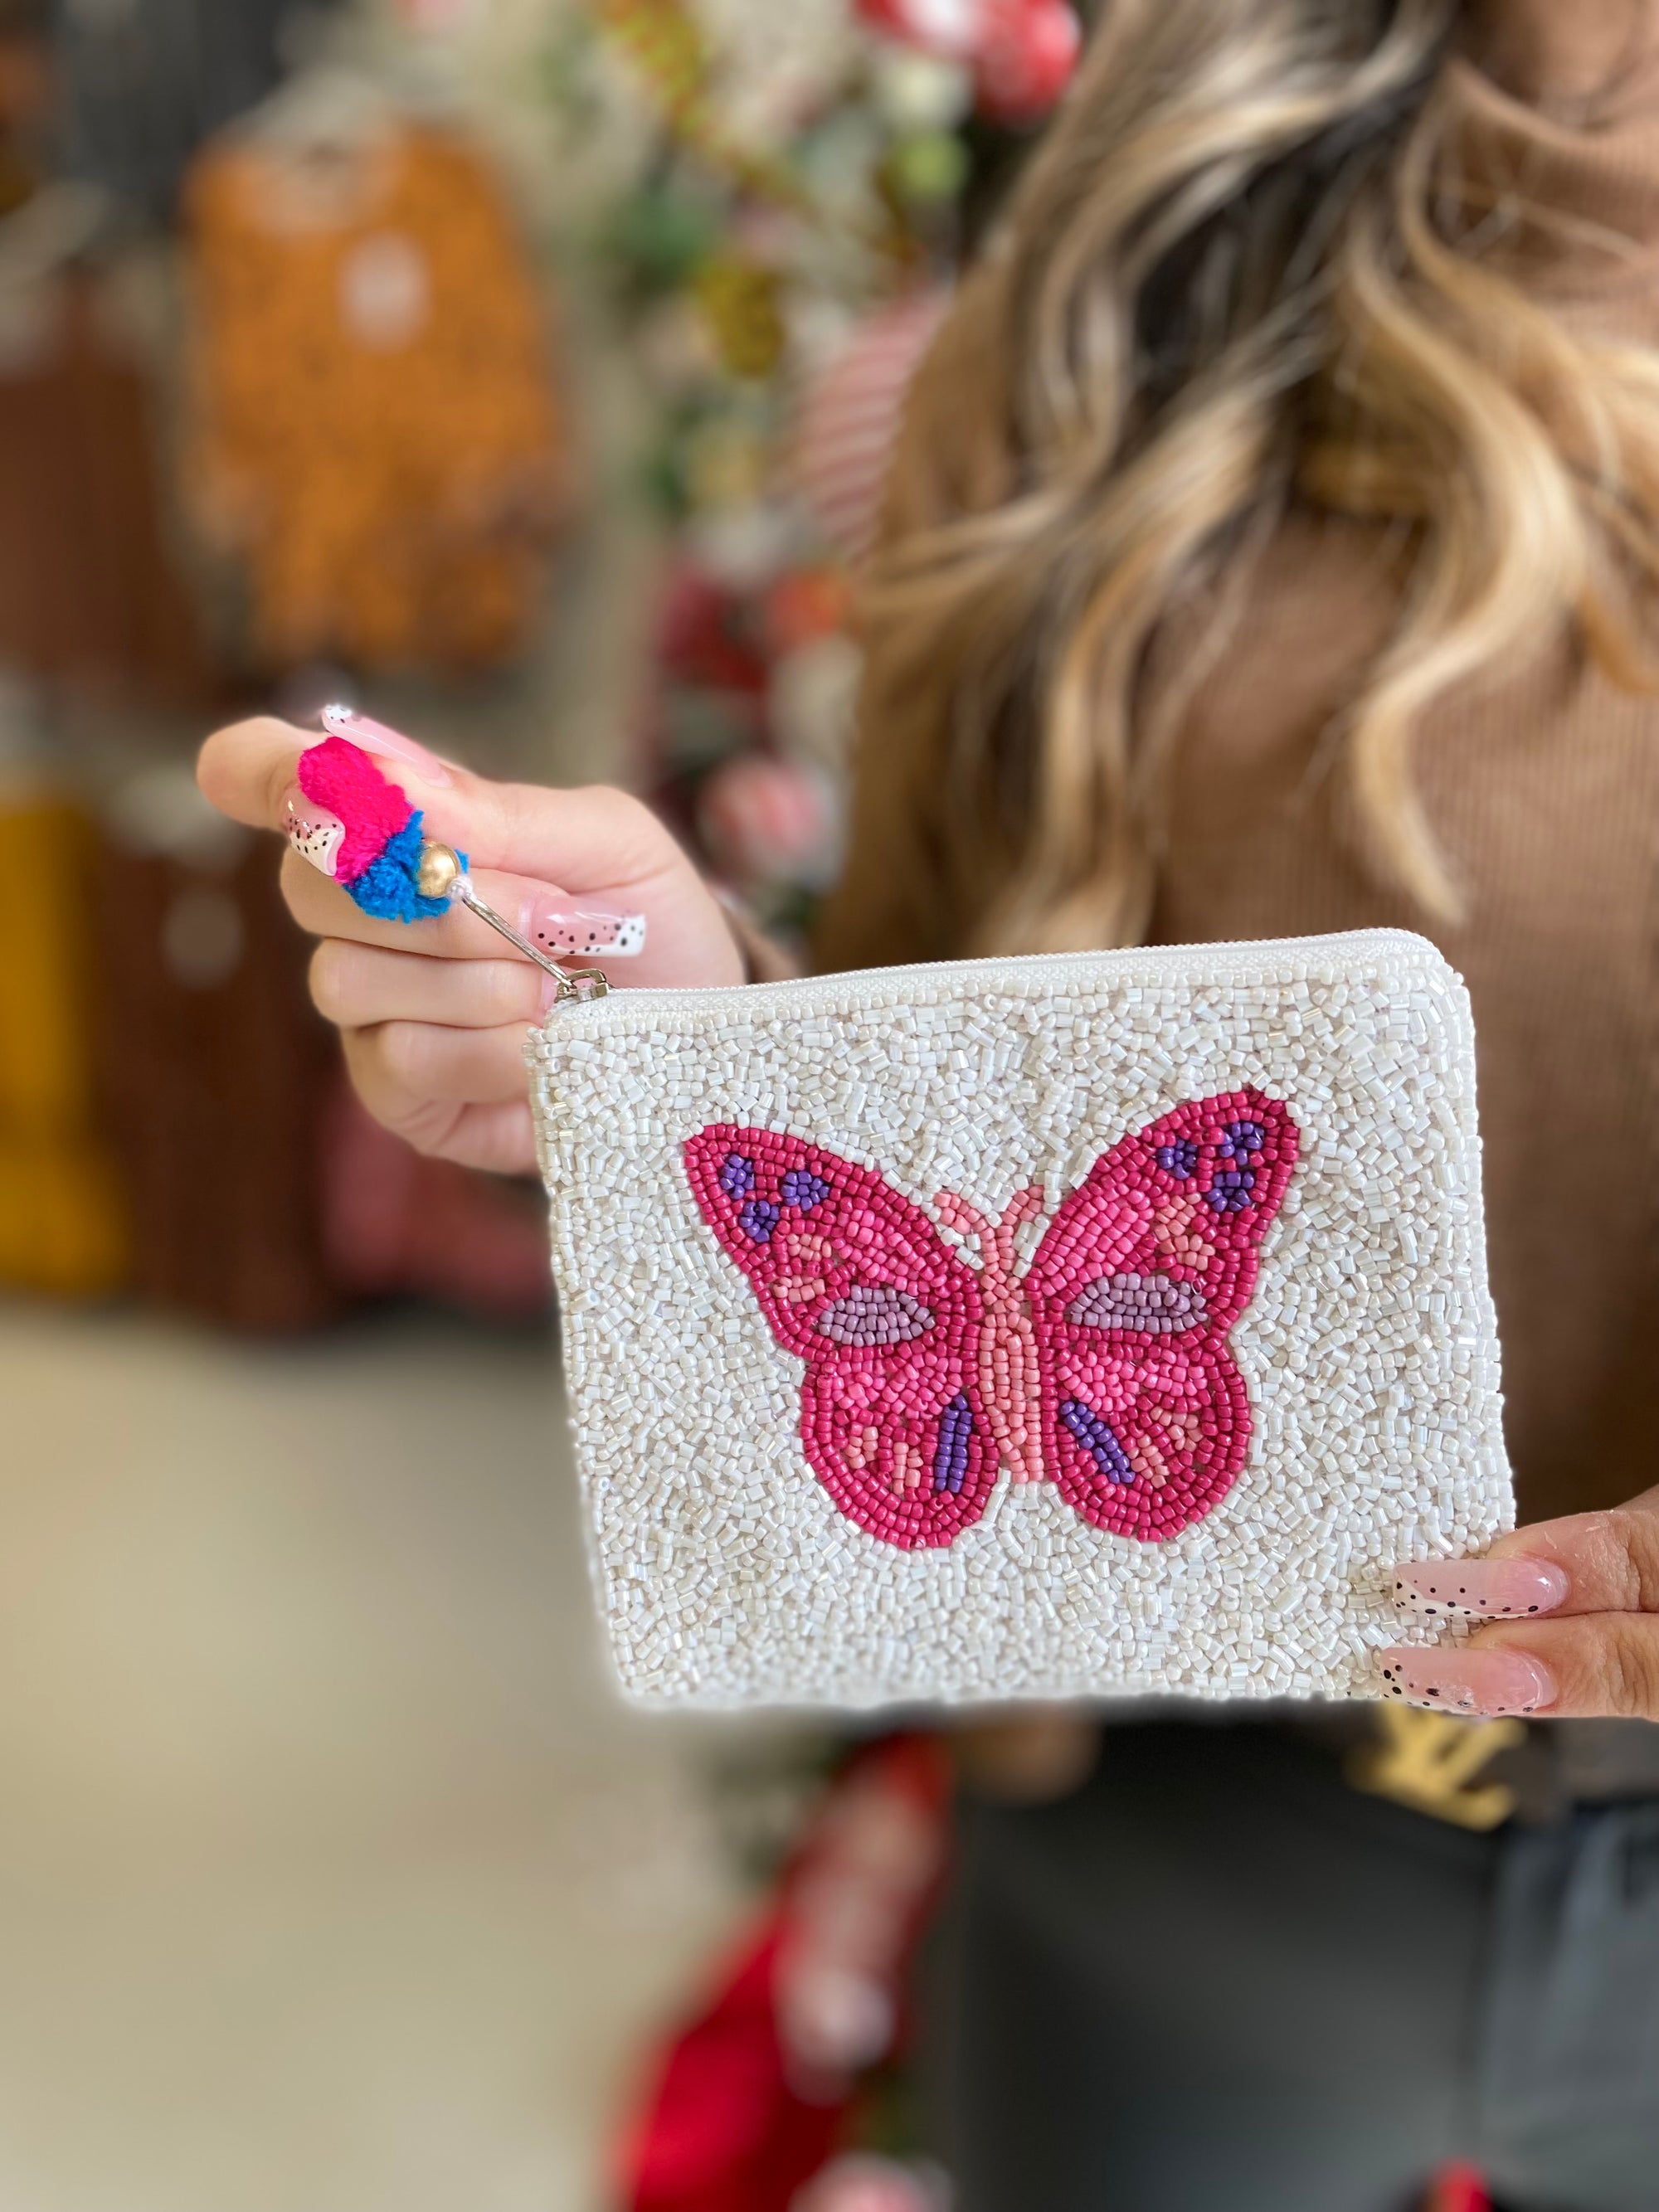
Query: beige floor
{"x": 332, "y": 1877}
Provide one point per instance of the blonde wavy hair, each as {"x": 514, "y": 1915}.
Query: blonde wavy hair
{"x": 1243, "y": 269}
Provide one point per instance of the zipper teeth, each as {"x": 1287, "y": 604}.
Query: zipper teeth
{"x": 1229, "y": 952}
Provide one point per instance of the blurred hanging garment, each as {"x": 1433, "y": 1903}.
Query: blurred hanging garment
{"x": 213, "y": 1066}
{"x": 377, "y": 433}
{"x": 89, "y": 594}
{"x": 143, "y": 83}
{"x": 63, "y": 1227}
{"x": 261, "y": 1195}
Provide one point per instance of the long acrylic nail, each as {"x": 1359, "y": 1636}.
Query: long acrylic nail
{"x": 1452, "y": 1679}
{"x": 315, "y": 833}
{"x": 1479, "y": 1590}
{"x": 391, "y": 744}
{"x": 567, "y": 933}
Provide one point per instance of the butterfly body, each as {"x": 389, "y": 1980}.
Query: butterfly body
{"x": 1104, "y": 1367}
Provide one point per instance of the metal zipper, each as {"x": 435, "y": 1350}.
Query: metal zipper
{"x": 587, "y": 984}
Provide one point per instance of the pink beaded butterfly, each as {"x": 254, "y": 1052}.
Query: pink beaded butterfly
{"x": 1105, "y": 1367}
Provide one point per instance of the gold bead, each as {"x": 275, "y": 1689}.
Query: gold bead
{"x": 438, "y": 869}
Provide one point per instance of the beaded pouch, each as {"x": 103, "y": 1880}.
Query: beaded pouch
{"x": 1077, "y": 1326}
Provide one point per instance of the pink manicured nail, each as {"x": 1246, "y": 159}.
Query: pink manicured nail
{"x": 1479, "y": 1590}
{"x": 315, "y": 833}
{"x": 391, "y": 744}
{"x": 1455, "y": 1680}
{"x": 565, "y": 933}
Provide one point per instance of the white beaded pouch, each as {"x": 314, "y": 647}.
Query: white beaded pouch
{"x": 1080, "y": 1326}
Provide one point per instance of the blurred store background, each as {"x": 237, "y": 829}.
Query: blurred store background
{"x": 523, "y": 371}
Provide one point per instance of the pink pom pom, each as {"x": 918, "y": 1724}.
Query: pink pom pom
{"x": 342, "y": 777}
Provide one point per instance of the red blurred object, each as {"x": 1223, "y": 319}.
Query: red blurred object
{"x": 754, "y": 2098}
{"x": 704, "y": 638}
{"x": 1025, "y": 58}
{"x": 1022, "y": 51}
{"x": 725, "y": 2132}
{"x": 1457, "y": 2188}
{"x": 806, "y": 604}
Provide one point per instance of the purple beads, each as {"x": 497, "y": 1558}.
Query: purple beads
{"x": 758, "y": 1219}
{"x": 737, "y": 1175}
{"x": 1096, "y": 1439}
{"x": 955, "y": 1427}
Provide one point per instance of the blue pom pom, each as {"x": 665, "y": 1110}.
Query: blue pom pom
{"x": 386, "y": 889}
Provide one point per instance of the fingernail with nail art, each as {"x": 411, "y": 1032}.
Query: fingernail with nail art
{"x": 565, "y": 933}
{"x": 372, "y": 736}
{"x": 1480, "y": 1589}
{"x": 315, "y": 833}
{"x": 1457, "y": 1681}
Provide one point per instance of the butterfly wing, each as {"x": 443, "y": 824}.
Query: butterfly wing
{"x": 856, "y": 1281}
{"x": 1138, "y": 1279}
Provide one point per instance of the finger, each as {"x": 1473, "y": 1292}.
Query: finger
{"x": 499, "y": 1139}
{"x": 400, "y": 1066}
{"x": 1585, "y": 1563}
{"x": 579, "y": 874}
{"x": 357, "y": 987}
{"x": 245, "y": 770}
{"x": 562, "y": 926}
{"x": 578, "y": 838}
{"x": 497, "y": 1133}
{"x": 325, "y": 910}
{"x": 1600, "y": 1665}
{"x": 1595, "y": 1666}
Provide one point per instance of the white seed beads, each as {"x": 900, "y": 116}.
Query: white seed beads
{"x": 725, "y": 1573}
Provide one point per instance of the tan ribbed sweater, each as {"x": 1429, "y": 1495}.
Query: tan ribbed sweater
{"x": 1544, "y": 790}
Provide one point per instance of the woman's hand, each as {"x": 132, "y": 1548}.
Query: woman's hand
{"x": 433, "y": 1014}
{"x": 1573, "y": 1612}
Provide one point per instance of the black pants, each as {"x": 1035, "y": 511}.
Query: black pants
{"x": 1216, "y": 1979}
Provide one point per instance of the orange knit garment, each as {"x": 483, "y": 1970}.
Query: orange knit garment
{"x": 376, "y": 430}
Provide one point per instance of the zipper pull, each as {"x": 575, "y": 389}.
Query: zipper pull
{"x": 577, "y": 986}
{"x": 441, "y": 875}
